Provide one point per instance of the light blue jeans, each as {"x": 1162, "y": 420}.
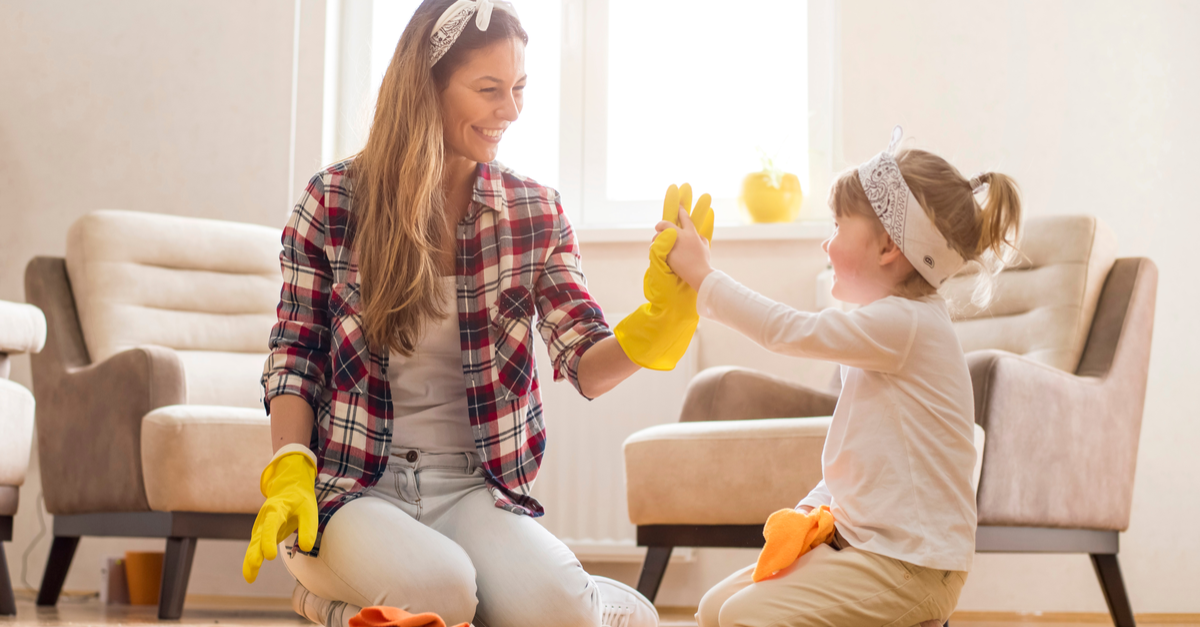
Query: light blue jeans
{"x": 429, "y": 538}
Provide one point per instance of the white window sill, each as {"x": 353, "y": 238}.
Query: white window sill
{"x": 801, "y": 230}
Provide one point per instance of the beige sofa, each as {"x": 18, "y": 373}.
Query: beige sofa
{"x": 22, "y": 330}
{"x": 1059, "y": 364}
{"x": 150, "y": 422}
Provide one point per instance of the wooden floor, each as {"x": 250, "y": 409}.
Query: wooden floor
{"x": 230, "y": 612}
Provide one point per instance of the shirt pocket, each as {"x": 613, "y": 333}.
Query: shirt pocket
{"x": 348, "y": 346}
{"x": 511, "y": 325}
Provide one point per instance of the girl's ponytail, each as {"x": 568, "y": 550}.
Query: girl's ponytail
{"x": 1000, "y": 219}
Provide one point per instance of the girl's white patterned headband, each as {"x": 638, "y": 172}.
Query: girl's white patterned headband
{"x": 904, "y": 219}
{"x": 452, "y": 22}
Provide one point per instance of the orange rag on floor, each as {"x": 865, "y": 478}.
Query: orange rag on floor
{"x": 790, "y": 534}
{"x": 382, "y": 616}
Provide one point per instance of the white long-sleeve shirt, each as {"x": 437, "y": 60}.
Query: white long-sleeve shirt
{"x": 899, "y": 456}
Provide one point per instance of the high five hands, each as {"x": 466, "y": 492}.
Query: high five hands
{"x": 658, "y": 333}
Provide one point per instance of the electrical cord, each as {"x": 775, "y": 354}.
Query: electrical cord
{"x": 30, "y": 592}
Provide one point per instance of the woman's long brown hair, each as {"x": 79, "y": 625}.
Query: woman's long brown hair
{"x": 399, "y": 202}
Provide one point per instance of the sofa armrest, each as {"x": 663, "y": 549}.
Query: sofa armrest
{"x": 1058, "y": 451}
{"x": 733, "y": 393}
{"x": 22, "y": 328}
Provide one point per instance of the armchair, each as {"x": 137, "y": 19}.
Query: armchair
{"x": 149, "y": 418}
{"x": 1059, "y": 364}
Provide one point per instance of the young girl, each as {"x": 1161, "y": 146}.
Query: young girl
{"x": 899, "y": 455}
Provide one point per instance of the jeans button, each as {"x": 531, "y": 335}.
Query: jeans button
{"x": 411, "y": 457}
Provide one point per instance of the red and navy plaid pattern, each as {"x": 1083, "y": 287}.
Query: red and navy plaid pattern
{"x": 517, "y": 263}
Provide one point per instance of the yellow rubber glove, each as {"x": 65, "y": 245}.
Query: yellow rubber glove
{"x": 289, "y": 483}
{"x": 658, "y": 333}
{"x": 789, "y": 535}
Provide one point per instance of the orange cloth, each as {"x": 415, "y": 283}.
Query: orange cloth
{"x": 790, "y": 534}
{"x": 382, "y": 616}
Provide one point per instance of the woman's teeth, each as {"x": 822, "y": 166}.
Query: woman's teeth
{"x": 492, "y": 134}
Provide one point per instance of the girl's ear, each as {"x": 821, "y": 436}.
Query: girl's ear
{"x": 889, "y": 253}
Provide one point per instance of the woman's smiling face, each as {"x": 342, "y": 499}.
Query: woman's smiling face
{"x": 482, "y": 98}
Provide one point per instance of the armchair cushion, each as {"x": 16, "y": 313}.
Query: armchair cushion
{"x": 22, "y": 328}
{"x": 16, "y": 432}
{"x": 205, "y": 459}
{"x": 733, "y": 472}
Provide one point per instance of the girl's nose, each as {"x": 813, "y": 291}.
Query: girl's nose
{"x": 825, "y": 246}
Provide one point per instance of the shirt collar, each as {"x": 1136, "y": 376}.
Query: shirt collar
{"x": 489, "y": 189}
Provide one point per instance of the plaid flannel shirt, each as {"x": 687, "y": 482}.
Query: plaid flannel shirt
{"x": 517, "y": 260}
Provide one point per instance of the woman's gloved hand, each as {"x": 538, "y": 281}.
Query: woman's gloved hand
{"x": 658, "y": 333}
{"x": 789, "y": 535}
{"x": 289, "y": 483}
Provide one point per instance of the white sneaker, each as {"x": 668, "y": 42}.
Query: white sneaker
{"x": 623, "y": 606}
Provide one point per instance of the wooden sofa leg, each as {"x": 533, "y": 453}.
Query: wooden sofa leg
{"x": 177, "y": 568}
{"x": 1108, "y": 571}
{"x": 8, "y": 602}
{"x": 653, "y": 570}
{"x": 62, "y": 551}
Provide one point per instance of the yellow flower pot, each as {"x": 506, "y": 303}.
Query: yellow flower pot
{"x": 767, "y": 203}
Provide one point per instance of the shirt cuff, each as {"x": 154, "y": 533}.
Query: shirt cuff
{"x": 704, "y": 294}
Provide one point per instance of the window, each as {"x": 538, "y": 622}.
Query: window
{"x": 627, "y": 96}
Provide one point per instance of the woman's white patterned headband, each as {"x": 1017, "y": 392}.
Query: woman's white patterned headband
{"x": 904, "y": 219}
{"x": 452, "y": 22}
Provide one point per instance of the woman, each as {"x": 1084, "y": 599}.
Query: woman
{"x": 401, "y": 381}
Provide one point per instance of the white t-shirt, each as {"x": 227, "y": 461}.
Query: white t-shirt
{"x": 429, "y": 392}
{"x": 899, "y": 456}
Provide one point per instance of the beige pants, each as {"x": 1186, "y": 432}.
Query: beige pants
{"x": 842, "y": 588}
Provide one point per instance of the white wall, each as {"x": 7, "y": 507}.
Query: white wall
{"x": 170, "y": 107}
{"x": 184, "y": 108}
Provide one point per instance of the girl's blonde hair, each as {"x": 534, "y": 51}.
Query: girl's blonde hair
{"x": 985, "y": 235}
{"x": 399, "y": 204}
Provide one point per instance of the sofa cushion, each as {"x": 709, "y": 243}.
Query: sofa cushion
{"x": 206, "y": 288}
{"x": 1043, "y": 305}
{"x": 16, "y": 432}
{"x": 199, "y": 458}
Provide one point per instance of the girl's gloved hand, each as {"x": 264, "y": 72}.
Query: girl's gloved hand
{"x": 688, "y": 256}
{"x": 789, "y": 535}
{"x": 289, "y": 483}
{"x": 658, "y": 333}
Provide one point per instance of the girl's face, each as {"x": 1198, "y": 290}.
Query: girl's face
{"x": 482, "y": 97}
{"x": 855, "y": 250}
